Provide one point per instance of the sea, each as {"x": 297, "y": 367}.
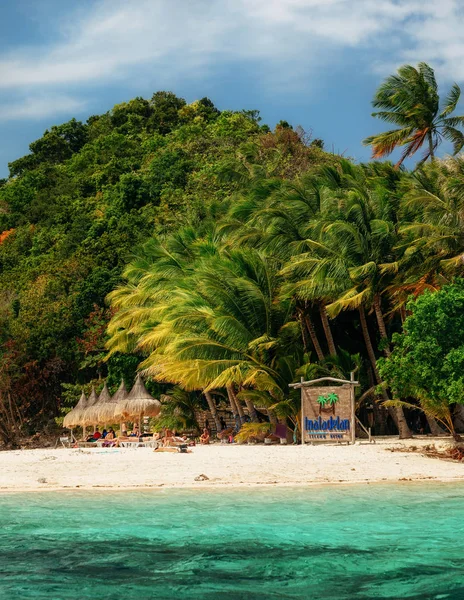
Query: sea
{"x": 333, "y": 543}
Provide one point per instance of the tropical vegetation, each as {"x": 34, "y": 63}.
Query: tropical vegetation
{"x": 226, "y": 261}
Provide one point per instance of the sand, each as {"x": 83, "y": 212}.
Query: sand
{"x": 223, "y": 465}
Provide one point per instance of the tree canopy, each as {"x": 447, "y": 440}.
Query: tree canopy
{"x": 410, "y": 100}
{"x": 224, "y": 260}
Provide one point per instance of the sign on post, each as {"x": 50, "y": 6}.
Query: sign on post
{"x": 327, "y": 412}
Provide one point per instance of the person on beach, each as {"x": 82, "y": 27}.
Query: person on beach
{"x": 204, "y": 437}
{"x": 223, "y": 423}
{"x": 167, "y": 437}
{"x": 96, "y": 435}
{"x": 135, "y": 432}
{"x": 104, "y": 434}
{"x": 110, "y": 439}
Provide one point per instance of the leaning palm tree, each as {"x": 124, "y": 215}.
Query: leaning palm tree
{"x": 410, "y": 100}
{"x": 276, "y": 219}
{"x": 433, "y": 208}
{"x": 214, "y": 325}
{"x": 353, "y": 242}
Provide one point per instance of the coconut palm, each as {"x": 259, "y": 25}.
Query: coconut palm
{"x": 179, "y": 410}
{"x": 356, "y": 236}
{"x": 410, "y": 100}
{"x": 278, "y": 222}
{"x": 211, "y": 323}
{"x": 433, "y": 217}
{"x": 221, "y": 328}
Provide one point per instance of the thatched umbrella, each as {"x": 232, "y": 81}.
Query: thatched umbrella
{"x": 138, "y": 403}
{"x": 93, "y": 414}
{"x": 105, "y": 412}
{"x": 86, "y": 415}
{"x": 72, "y": 418}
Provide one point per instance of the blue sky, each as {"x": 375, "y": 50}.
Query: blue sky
{"x": 314, "y": 63}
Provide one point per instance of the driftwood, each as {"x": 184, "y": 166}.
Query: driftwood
{"x": 454, "y": 453}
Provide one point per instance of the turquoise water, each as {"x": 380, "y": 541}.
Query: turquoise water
{"x": 332, "y": 543}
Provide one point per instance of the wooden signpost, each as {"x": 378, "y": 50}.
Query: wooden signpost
{"x": 327, "y": 411}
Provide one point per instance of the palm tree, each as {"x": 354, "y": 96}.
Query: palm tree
{"x": 433, "y": 215}
{"x": 356, "y": 235}
{"x": 205, "y": 322}
{"x": 179, "y": 410}
{"x": 276, "y": 218}
{"x": 410, "y": 100}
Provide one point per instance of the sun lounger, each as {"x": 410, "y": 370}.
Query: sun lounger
{"x": 138, "y": 444}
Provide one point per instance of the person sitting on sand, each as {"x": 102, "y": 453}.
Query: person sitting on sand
{"x": 204, "y": 437}
{"x": 167, "y": 437}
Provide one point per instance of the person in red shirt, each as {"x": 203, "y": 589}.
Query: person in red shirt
{"x": 96, "y": 435}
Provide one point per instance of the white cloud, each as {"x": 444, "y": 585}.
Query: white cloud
{"x": 116, "y": 39}
{"x": 40, "y": 106}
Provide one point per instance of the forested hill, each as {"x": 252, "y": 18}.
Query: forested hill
{"x": 73, "y": 210}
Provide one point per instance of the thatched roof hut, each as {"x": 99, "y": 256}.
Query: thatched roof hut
{"x": 138, "y": 403}
{"x": 94, "y": 411}
{"x": 86, "y": 415}
{"x": 106, "y": 410}
{"x": 72, "y": 418}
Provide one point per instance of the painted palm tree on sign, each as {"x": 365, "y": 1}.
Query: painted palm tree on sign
{"x": 410, "y": 100}
{"x": 327, "y": 403}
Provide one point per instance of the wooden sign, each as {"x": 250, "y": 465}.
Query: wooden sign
{"x": 327, "y": 413}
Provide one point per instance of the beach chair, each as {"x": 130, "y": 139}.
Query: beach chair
{"x": 65, "y": 441}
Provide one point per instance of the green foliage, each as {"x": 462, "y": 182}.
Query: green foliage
{"x": 74, "y": 210}
{"x": 253, "y": 432}
{"x": 235, "y": 259}
{"x": 410, "y": 100}
{"x": 428, "y": 357}
{"x": 179, "y": 411}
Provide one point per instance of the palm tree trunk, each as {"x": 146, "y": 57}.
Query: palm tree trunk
{"x": 396, "y": 413}
{"x": 401, "y": 423}
{"x": 380, "y": 421}
{"x": 213, "y": 411}
{"x": 272, "y": 416}
{"x": 233, "y": 399}
{"x": 368, "y": 343}
{"x": 313, "y": 336}
{"x": 400, "y": 420}
{"x": 435, "y": 428}
{"x": 458, "y": 418}
{"x": 327, "y": 330}
{"x": 233, "y": 404}
{"x": 304, "y": 333}
{"x": 432, "y": 155}
{"x": 251, "y": 410}
{"x": 381, "y": 324}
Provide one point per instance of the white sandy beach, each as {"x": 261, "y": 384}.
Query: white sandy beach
{"x": 224, "y": 465}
